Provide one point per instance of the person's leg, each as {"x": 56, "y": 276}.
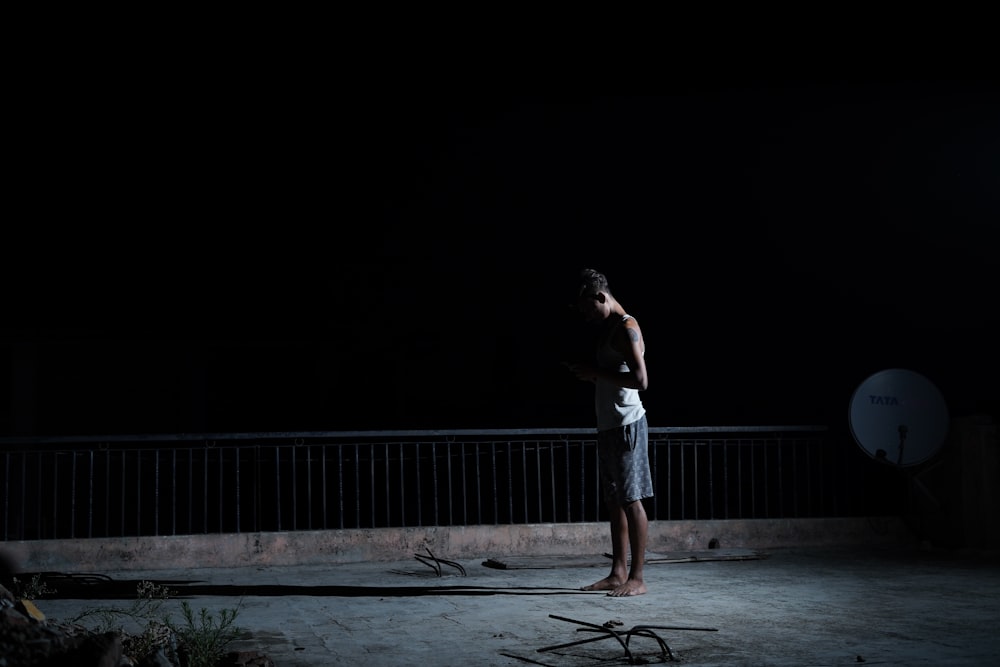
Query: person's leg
{"x": 638, "y": 527}
{"x": 625, "y": 470}
{"x": 619, "y": 550}
{"x": 629, "y": 527}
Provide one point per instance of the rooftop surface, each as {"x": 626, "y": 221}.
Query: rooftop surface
{"x": 879, "y": 605}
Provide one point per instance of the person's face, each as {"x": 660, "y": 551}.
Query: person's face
{"x": 592, "y": 306}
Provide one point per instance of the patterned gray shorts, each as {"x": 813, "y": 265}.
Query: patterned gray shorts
{"x": 624, "y": 462}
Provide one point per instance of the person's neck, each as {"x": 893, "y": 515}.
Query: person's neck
{"x": 614, "y": 317}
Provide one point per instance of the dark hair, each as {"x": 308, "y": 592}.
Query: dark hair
{"x": 592, "y": 282}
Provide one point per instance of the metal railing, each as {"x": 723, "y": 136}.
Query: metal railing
{"x": 60, "y": 488}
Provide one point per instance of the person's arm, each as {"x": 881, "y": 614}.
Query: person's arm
{"x": 629, "y": 342}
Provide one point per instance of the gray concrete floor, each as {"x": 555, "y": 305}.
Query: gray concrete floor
{"x": 809, "y": 606}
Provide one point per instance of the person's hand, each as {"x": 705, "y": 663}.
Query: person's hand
{"x": 582, "y": 371}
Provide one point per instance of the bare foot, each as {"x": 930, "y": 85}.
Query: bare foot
{"x": 628, "y": 589}
{"x": 608, "y": 583}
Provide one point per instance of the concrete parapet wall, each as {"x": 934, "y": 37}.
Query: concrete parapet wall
{"x": 456, "y": 542}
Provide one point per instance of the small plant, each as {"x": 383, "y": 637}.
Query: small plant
{"x": 144, "y": 609}
{"x": 154, "y": 634}
{"x": 203, "y": 641}
{"x": 32, "y": 590}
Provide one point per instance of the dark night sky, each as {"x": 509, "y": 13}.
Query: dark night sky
{"x": 402, "y": 257}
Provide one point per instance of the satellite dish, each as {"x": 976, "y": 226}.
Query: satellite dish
{"x": 898, "y": 416}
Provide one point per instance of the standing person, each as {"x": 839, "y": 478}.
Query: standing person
{"x": 619, "y": 374}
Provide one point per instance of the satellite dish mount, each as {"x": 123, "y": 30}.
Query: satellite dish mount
{"x": 904, "y": 408}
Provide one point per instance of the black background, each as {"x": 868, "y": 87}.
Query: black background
{"x": 248, "y": 251}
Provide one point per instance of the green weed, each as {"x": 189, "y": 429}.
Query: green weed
{"x": 203, "y": 640}
{"x": 199, "y": 641}
{"x": 32, "y": 590}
